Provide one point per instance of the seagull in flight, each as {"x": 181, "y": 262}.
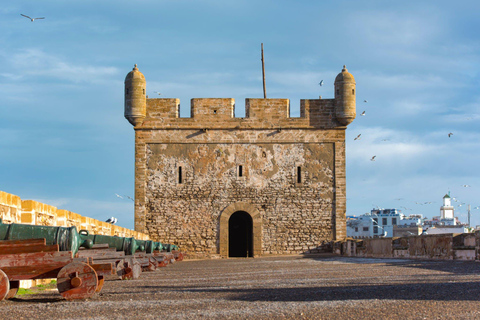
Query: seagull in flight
{"x": 111, "y": 220}
{"x": 466, "y": 186}
{"x": 363, "y": 113}
{"x": 320, "y": 83}
{"x": 365, "y": 101}
{"x": 158, "y": 93}
{"x": 358, "y": 137}
{"x": 373, "y": 158}
{"x": 123, "y": 197}
{"x": 450, "y": 134}
{"x": 31, "y": 19}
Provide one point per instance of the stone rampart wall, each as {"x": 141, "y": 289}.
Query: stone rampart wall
{"x": 15, "y": 210}
{"x": 463, "y": 246}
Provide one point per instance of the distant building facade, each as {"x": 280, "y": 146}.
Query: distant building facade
{"x": 216, "y": 184}
{"x": 381, "y": 223}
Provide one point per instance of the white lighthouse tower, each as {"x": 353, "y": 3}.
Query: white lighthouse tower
{"x": 446, "y": 211}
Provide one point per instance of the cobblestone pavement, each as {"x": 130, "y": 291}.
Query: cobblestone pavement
{"x": 275, "y": 287}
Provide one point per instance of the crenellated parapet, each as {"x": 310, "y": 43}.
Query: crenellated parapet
{"x": 220, "y": 113}
{"x": 212, "y": 113}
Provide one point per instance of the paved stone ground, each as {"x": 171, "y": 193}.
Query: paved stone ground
{"x": 279, "y": 287}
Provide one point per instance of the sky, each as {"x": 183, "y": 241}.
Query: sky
{"x": 64, "y": 140}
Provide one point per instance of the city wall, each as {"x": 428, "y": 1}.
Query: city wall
{"x": 15, "y": 210}
{"x": 462, "y": 246}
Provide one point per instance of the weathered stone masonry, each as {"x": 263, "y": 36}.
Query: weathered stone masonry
{"x": 287, "y": 174}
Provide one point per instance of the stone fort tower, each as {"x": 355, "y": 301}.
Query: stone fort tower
{"x": 215, "y": 184}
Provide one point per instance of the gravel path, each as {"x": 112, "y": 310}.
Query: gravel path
{"x": 279, "y": 287}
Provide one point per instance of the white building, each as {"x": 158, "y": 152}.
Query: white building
{"x": 447, "y": 210}
{"x": 379, "y": 223}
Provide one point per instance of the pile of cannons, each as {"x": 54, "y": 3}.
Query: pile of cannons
{"x": 80, "y": 261}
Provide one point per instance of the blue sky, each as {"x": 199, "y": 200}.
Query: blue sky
{"x": 64, "y": 140}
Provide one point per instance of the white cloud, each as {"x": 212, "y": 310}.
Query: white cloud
{"x": 37, "y": 63}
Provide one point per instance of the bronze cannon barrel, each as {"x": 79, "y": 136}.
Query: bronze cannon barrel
{"x": 67, "y": 238}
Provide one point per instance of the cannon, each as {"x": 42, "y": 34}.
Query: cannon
{"x": 67, "y": 238}
{"x": 127, "y": 245}
{"x": 31, "y": 259}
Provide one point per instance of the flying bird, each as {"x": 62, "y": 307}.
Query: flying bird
{"x": 466, "y": 186}
{"x": 373, "y": 158}
{"x": 450, "y": 134}
{"x": 365, "y": 101}
{"x": 476, "y": 208}
{"x": 363, "y": 113}
{"x": 31, "y": 19}
{"x": 158, "y": 93}
{"x": 123, "y": 197}
{"x": 111, "y": 220}
{"x": 358, "y": 137}
{"x": 385, "y": 139}
{"x": 320, "y": 83}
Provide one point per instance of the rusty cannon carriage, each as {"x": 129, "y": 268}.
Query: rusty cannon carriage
{"x": 32, "y": 259}
{"x": 29, "y": 252}
{"x": 79, "y": 260}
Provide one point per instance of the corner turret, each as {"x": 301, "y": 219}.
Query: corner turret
{"x": 135, "y": 99}
{"x": 345, "y": 110}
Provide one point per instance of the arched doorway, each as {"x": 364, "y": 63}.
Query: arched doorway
{"x": 240, "y": 235}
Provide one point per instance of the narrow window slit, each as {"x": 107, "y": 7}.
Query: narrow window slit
{"x": 180, "y": 180}
{"x": 299, "y": 174}
{"x": 240, "y": 171}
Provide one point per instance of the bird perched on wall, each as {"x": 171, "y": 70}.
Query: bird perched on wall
{"x": 373, "y": 158}
{"x": 111, "y": 220}
{"x": 450, "y": 134}
{"x": 31, "y": 19}
{"x": 358, "y": 137}
{"x": 320, "y": 83}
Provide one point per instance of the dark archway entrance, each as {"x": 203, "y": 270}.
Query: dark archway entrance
{"x": 240, "y": 239}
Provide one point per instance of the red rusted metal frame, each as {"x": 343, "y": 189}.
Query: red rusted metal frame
{"x": 147, "y": 261}
{"x": 32, "y": 259}
{"x": 178, "y": 255}
{"x": 28, "y": 249}
{"x": 161, "y": 258}
{"x": 20, "y": 243}
{"x": 37, "y": 265}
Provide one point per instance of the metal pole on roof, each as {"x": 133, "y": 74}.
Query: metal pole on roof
{"x": 263, "y": 73}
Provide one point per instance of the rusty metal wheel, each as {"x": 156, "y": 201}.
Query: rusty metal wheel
{"x": 77, "y": 280}
{"x": 132, "y": 270}
{"x": 4, "y": 285}
{"x": 14, "y": 286}
{"x": 101, "y": 281}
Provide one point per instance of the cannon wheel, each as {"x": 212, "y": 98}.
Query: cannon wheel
{"x": 77, "y": 280}
{"x": 4, "y": 285}
{"x": 14, "y": 286}
{"x": 133, "y": 269}
{"x": 101, "y": 281}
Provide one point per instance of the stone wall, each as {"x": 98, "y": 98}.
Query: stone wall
{"x": 294, "y": 216}
{"x": 464, "y": 246}
{"x": 15, "y": 210}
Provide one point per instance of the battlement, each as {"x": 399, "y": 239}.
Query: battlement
{"x": 159, "y": 113}
{"x": 215, "y": 112}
